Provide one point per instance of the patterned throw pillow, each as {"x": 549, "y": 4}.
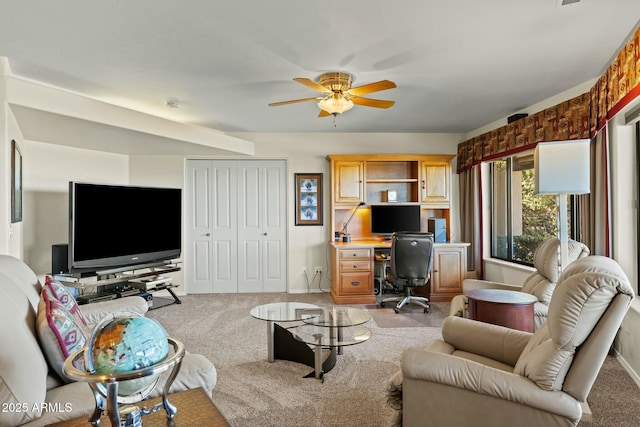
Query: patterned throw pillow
{"x": 62, "y": 328}
{"x": 60, "y": 292}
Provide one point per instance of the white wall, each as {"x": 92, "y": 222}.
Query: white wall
{"x": 622, "y": 143}
{"x": 306, "y": 153}
{"x": 623, "y": 146}
{"x": 48, "y": 168}
{"x": 5, "y": 159}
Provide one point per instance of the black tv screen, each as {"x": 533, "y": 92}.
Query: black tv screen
{"x": 114, "y": 226}
{"x": 387, "y": 219}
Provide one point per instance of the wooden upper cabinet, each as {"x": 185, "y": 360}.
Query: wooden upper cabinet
{"x": 348, "y": 187}
{"x": 420, "y": 179}
{"x": 434, "y": 182}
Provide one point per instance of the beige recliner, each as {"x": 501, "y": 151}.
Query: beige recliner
{"x": 540, "y": 283}
{"x": 481, "y": 374}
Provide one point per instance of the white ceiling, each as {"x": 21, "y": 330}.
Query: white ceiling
{"x": 458, "y": 64}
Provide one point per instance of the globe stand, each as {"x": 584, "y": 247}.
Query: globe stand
{"x": 105, "y": 386}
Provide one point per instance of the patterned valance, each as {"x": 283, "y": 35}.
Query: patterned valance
{"x": 577, "y": 118}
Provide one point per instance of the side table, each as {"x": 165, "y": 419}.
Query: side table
{"x": 195, "y": 408}
{"x": 512, "y": 309}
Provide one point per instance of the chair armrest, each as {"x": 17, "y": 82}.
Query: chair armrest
{"x": 472, "y": 284}
{"x": 463, "y": 374}
{"x": 458, "y": 306}
{"x": 495, "y": 342}
{"x": 95, "y": 312}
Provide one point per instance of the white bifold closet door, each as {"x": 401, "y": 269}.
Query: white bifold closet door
{"x": 236, "y": 226}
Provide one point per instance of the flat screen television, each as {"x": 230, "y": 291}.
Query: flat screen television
{"x": 114, "y": 226}
{"x": 387, "y": 219}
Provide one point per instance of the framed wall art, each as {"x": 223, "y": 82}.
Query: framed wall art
{"x": 308, "y": 198}
{"x": 16, "y": 183}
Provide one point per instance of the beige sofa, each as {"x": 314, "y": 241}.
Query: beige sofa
{"x": 486, "y": 375}
{"x": 540, "y": 283}
{"x": 27, "y": 381}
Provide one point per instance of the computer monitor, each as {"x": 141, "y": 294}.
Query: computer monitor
{"x": 387, "y": 219}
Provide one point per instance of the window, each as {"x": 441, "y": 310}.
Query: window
{"x": 520, "y": 219}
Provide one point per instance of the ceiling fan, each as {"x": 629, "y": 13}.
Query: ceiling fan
{"x": 339, "y": 96}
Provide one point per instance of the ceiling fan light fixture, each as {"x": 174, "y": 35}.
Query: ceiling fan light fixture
{"x": 335, "y": 104}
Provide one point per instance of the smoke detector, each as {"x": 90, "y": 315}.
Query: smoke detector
{"x": 172, "y": 103}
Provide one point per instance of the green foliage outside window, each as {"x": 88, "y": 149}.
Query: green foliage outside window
{"x": 539, "y": 220}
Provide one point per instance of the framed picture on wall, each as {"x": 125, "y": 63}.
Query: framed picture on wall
{"x": 308, "y": 198}
{"x": 16, "y": 183}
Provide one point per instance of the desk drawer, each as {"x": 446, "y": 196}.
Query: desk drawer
{"x": 355, "y": 265}
{"x": 355, "y": 253}
{"x": 356, "y": 284}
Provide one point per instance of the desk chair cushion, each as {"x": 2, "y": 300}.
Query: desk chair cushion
{"x": 583, "y": 293}
{"x": 409, "y": 265}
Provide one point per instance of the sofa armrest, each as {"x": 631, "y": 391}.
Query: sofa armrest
{"x": 463, "y": 374}
{"x": 495, "y": 342}
{"x": 472, "y": 284}
{"x": 95, "y": 312}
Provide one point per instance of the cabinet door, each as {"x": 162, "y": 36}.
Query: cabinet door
{"x": 348, "y": 185}
{"x": 434, "y": 181}
{"x": 449, "y": 264}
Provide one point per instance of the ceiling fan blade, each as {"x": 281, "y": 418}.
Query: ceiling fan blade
{"x": 368, "y": 102}
{"x": 324, "y": 114}
{"x": 372, "y": 87}
{"x": 293, "y": 101}
{"x": 313, "y": 85}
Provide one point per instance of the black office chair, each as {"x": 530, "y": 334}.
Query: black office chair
{"x": 411, "y": 258}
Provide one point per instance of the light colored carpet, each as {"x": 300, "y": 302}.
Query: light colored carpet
{"x": 254, "y": 392}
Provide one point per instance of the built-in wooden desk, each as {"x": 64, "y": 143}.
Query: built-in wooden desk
{"x": 353, "y": 270}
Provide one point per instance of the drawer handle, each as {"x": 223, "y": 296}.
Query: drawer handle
{"x": 355, "y": 266}
{"x": 355, "y": 283}
{"x": 355, "y": 254}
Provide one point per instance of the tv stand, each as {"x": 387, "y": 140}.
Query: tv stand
{"x": 141, "y": 281}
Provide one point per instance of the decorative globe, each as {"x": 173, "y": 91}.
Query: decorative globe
{"x": 124, "y": 344}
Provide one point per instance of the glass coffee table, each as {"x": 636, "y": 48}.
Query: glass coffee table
{"x": 333, "y": 329}
{"x": 281, "y": 344}
{"x": 281, "y": 312}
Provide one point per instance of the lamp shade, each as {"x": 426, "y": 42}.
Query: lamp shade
{"x": 335, "y": 104}
{"x": 562, "y": 167}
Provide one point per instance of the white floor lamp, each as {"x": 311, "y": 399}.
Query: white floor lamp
{"x": 561, "y": 168}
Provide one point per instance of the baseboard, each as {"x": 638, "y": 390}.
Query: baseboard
{"x": 633, "y": 374}
{"x": 587, "y": 415}
{"x": 307, "y": 291}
